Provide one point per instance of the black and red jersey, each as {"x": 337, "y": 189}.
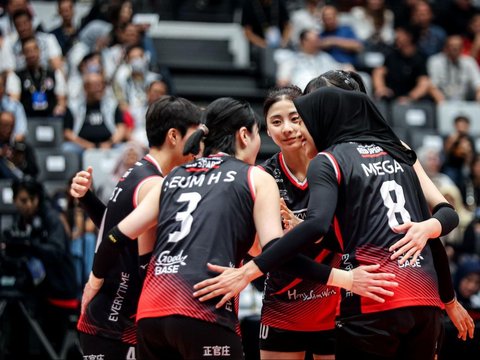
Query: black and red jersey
{"x": 377, "y": 193}
{"x": 290, "y": 303}
{"x": 111, "y": 313}
{"x": 206, "y": 216}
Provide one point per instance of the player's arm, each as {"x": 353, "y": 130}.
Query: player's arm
{"x": 444, "y": 219}
{"x": 80, "y": 189}
{"x": 323, "y": 198}
{"x": 136, "y": 223}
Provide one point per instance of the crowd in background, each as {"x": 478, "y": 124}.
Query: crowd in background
{"x": 99, "y": 76}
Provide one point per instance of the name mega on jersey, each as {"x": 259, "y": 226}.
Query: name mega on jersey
{"x": 169, "y": 264}
{"x": 382, "y": 168}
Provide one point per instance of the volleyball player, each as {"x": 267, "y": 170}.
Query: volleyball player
{"x": 416, "y": 234}
{"x": 107, "y": 325}
{"x": 297, "y": 315}
{"x": 206, "y": 211}
{"x": 364, "y": 181}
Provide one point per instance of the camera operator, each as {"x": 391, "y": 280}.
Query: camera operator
{"x": 16, "y": 157}
{"x": 44, "y": 245}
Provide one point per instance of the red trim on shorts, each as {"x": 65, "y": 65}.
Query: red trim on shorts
{"x": 66, "y": 304}
{"x": 289, "y": 174}
{"x": 338, "y": 233}
{"x": 320, "y": 257}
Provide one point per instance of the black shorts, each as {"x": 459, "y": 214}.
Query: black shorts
{"x": 406, "y": 333}
{"x": 97, "y": 347}
{"x": 181, "y": 337}
{"x": 315, "y": 342}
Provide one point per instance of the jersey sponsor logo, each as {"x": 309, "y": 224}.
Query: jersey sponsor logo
{"x": 370, "y": 150}
{"x": 94, "y": 357}
{"x": 382, "y": 168}
{"x": 204, "y": 164}
{"x": 293, "y": 295}
{"x": 119, "y": 297}
{"x": 409, "y": 263}
{"x": 216, "y": 350}
{"x": 169, "y": 264}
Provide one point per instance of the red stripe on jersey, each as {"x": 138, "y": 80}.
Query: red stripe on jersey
{"x": 323, "y": 254}
{"x": 375, "y": 155}
{"x": 152, "y": 160}
{"x": 251, "y": 183}
{"x": 261, "y": 167}
{"x": 336, "y": 167}
{"x": 301, "y": 185}
{"x": 137, "y": 189}
{"x": 338, "y": 233}
{"x": 202, "y": 169}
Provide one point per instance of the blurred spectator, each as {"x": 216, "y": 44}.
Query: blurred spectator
{"x": 38, "y": 235}
{"x": 42, "y": 91}
{"x": 459, "y": 152}
{"x": 338, "y": 40}
{"x": 155, "y": 91}
{"x": 17, "y": 157}
{"x": 97, "y": 121}
{"x": 131, "y": 82}
{"x": 430, "y": 159}
{"x": 66, "y": 33}
{"x": 403, "y": 77}
{"x": 373, "y": 24}
{"x": 432, "y": 37}
{"x": 128, "y": 35}
{"x": 467, "y": 284}
{"x": 456, "y": 75}
{"x": 471, "y": 239}
{"x": 266, "y": 23}
{"x": 131, "y": 153}
{"x": 16, "y": 108}
{"x": 80, "y": 229}
{"x": 454, "y": 197}
{"x": 307, "y": 17}
{"x": 403, "y": 11}
{"x": 6, "y": 21}
{"x": 456, "y": 17}
{"x": 306, "y": 63}
{"x": 471, "y": 41}
{"x": 473, "y": 185}
{"x": 6, "y": 54}
{"x": 50, "y": 51}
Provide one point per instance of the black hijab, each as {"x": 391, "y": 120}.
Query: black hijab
{"x": 333, "y": 116}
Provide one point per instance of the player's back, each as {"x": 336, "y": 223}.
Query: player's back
{"x": 376, "y": 194}
{"x": 206, "y": 215}
{"x": 111, "y": 311}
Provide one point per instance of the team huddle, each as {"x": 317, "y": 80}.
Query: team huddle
{"x": 343, "y": 222}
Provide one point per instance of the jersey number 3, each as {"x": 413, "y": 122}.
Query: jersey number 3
{"x": 185, "y": 217}
{"x": 394, "y": 200}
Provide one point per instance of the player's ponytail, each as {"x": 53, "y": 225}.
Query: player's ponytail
{"x": 192, "y": 145}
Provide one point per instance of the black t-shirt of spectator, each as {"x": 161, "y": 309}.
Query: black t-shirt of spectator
{"x": 259, "y": 16}
{"x": 94, "y": 128}
{"x": 403, "y": 72}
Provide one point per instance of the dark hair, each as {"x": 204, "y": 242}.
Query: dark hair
{"x": 303, "y": 34}
{"x": 277, "y": 94}
{"x": 223, "y": 117}
{"x": 346, "y": 80}
{"x": 460, "y": 118}
{"x": 20, "y": 13}
{"x": 28, "y": 39}
{"x": 132, "y": 47}
{"x": 412, "y": 30}
{"x": 29, "y": 184}
{"x": 170, "y": 112}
